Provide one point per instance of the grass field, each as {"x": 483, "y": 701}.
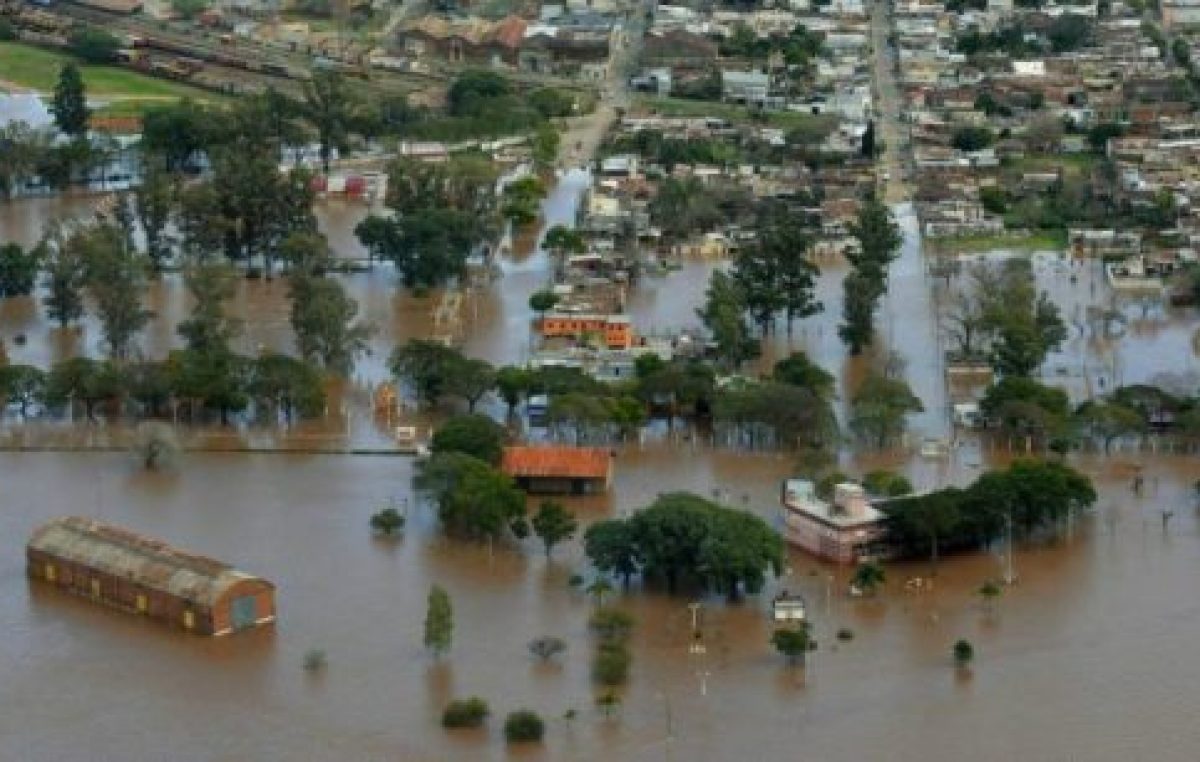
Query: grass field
{"x": 37, "y": 69}
{"x": 730, "y": 111}
{"x": 1026, "y": 242}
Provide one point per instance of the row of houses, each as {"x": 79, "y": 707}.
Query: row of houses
{"x": 574, "y": 44}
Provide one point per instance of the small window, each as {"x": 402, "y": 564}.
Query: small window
{"x": 143, "y": 605}
{"x": 51, "y": 573}
{"x": 96, "y": 587}
{"x": 189, "y": 619}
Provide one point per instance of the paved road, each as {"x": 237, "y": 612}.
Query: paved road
{"x": 889, "y": 104}
{"x": 910, "y": 309}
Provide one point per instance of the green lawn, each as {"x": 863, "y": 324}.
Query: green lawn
{"x": 730, "y": 111}
{"x": 1073, "y": 163}
{"x": 1048, "y": 240}
{"x": 37, "y": 69}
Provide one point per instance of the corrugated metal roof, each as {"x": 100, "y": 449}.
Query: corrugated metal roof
{"x": 143, "y": 560}
{"x": 556, "y": 462}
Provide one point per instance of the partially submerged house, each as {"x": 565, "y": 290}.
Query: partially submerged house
{"x": 145, "y": 576}
{"x": 558, "y": 468}
{"x": 844, "y": 530}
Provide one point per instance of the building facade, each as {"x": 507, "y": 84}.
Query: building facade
{"x": 147, "y": 577}
{"x": 844, "y": 531}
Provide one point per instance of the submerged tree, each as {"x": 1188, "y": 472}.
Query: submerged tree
{"x": 439, "y": 621}
{"x": 879, "y": 409}
{"x": 794, "y": 642}
{"x": 70, "y": 102}
{"x": 553, "y": 524}
{"x": 323, "y": 317}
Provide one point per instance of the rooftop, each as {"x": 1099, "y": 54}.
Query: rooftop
{"x": 144, "y": 560}
{"x": 550, "y": 461}
{"x": 799, "y": 496}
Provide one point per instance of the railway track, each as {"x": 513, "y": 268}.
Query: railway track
{"x": 271, "y": 67}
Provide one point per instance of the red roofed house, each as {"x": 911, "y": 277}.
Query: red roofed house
{"x": 558, "y": 468}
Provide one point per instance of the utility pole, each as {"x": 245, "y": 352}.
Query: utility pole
{"x": 1009, "y": 576}
{"x": 696, "y": 647}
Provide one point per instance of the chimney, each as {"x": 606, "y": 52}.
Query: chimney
{"x": 851, "y": 499}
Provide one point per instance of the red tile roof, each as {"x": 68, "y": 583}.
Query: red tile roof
{"x": 556, "y": 461}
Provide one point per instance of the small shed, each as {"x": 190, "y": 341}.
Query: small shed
{"x": 148, "y": 577}
{"x": 558, "y": 469}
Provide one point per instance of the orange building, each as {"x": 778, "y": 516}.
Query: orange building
{"x": 128, "y": 571}
{"x": 616, "y": 331}
{"x": 558, "y": 468}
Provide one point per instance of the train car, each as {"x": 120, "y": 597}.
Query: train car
{"x": 121, "y": 7}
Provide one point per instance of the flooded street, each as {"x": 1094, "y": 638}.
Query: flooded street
{"x": 1088, "y": 657}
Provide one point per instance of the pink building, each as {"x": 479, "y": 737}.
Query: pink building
{"x": 843, "y": 531}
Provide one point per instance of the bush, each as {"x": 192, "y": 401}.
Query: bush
{"x": 465, "y": 713}
{"x": 546, "y": 648}
{"x": 971, "y": 138}
{"x": 314, "y": 660}
{"x": 387, "y": 523}
{"x": 94, "y": 45}
{"x": 964, "y": 652}
{"x": 611, "y": 624}
{"x": 611, "y": 664}
{"x": 523, "y": 726}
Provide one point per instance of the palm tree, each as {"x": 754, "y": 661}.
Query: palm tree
{"x": 868, "y": 577}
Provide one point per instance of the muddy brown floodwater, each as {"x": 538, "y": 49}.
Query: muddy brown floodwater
{"x": 1089, "y": 657}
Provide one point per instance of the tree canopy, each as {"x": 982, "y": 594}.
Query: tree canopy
{"x": 682, "y": 537}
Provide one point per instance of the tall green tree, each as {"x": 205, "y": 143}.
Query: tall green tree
{"x": 22, "y": 152}
{"x": 70, "y": 102}
{"x": 776, "y": 275}
{"x": 209, "y": 329}
{"x": 724, "y": 315}
{"x": 472, "y": 434}
{"x": 287, "y": 385}
{"x": 116, "y": 278}
{"x": 177, "y": 132}
{"x": 22, "y": 384}
{"x": 685, "y": 537}
{"x": 474, "y": 500}
{"x": 552, "y": 524}
{"x": 18, "y": 269}
{"x": 879, "y": 241}
{"x": 879, "y": 408}
{"x": 439, "y": 621}
{"x": 328, "y": 104}
{"x": 427, "y": 366}
{"x": 323, "y": 318}
{"x": 65, "y": 278}
{"x": 799, "y": 370}
{"x": 612, "y": 548}
{"x": 154, "y": 202}
{"x": 861, "y": 295}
